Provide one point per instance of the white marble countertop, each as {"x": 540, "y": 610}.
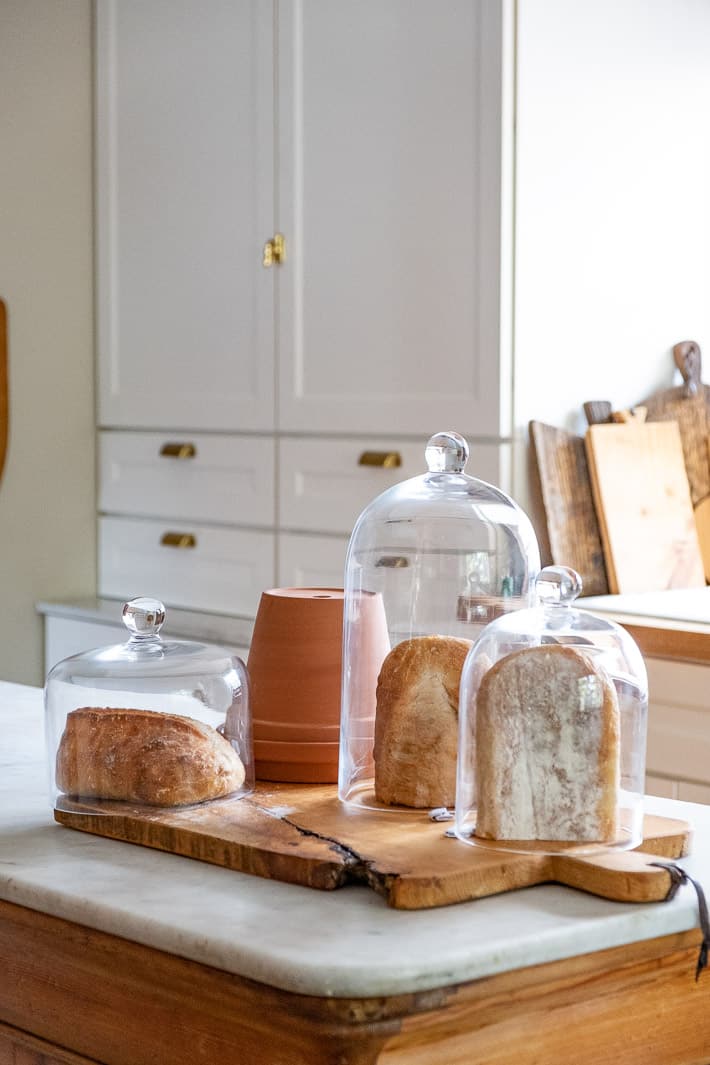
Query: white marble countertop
{"x": 341, "y": 943}
{"x": 691, "y": 605}
{"x": 216, "y": 628}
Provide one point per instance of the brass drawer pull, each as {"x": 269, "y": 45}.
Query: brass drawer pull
{"x": 386, "y": 460}
{"x": 179, "y": 451}
{"x": 173, "y": 539}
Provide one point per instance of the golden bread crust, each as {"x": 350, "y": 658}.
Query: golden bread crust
{"x": 145, "y": 757}
{"x": 416, "y": 723}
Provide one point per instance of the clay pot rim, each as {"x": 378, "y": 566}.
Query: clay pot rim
{"x": 276, "y": 751}
{"x": 306, "y": 593}
{"x": 295, "y": 732}
{"x": 294, "y": 773}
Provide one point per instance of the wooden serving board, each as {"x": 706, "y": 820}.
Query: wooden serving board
{"x": 303, "y": 835}
{"x": 689, "y": 406}
{"x": 643, "y": 502}
{"x": 570, "y": 520}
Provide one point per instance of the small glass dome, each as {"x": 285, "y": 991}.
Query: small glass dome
{"x": 552, "y": 739}
{"x": 151, "y": 722}
{"x": 430, "y": 562}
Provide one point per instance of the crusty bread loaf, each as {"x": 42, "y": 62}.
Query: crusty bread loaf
{"x": 146, "y": 757}
{"x": 416, "y": 722}
{"x": 547, "y": 748}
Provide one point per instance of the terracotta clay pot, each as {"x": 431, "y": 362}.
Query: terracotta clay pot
{"x": 298, "y": 772}
{"x": 294, "y": 669}
{"x": 315, "y": 753}
{"x": 295, "y": 657}
{"x": 298, "y": 732}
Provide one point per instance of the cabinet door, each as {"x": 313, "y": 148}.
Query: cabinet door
{"x": 184, "y": 142}
{"x": 389, "y": 198}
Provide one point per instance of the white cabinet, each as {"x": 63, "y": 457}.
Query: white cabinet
{"x": 678, "y": 749}
{"x": 369, "y": 135}
{"x": 388, "y": 171}
{"x": 184, "y": 144}
{"x": 194, "y": 476}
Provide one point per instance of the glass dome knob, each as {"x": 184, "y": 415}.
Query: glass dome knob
{"x": 558, "y": 585}
{"x": 143, "y": 616}
{"x": 446, "y": 453}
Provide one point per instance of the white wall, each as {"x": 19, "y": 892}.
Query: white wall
{"x": 47, "y": 494}
{"x": 612, "y": 205}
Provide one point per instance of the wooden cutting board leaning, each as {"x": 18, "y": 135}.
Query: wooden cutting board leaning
{"x": 570, "y": 519}
{"x": 689, "y": 406}
{"x": 642, "y": 498}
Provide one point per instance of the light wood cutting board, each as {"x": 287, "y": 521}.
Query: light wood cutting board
{"x": 643, "y": 503}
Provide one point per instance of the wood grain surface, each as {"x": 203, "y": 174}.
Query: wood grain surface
{"x": 643, "y": 503}
{"x": 121, "y": 1003}
{"x": 689, "y": 406}
{"x": 571, "y": 524}
{"x": 303, "y": 834}
{"x": 702, "y": 525}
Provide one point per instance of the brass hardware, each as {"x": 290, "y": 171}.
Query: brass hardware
{"x": 386, "y": 460}
{"x": 179, "y": 451}
{"x": 173, "y": 539}
{"x": 275, "y": 250}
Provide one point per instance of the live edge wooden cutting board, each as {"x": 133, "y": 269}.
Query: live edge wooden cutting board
{"x": 303, "y": 835}
{"x": 643, "y": 503}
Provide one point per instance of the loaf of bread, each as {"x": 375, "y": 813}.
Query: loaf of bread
{"x": 416, "y": 722}
{"x": 145, "y": 757}
{"x": 547, "y": 748}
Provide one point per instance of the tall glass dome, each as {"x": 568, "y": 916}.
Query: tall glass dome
{"x": 430, "y": 562}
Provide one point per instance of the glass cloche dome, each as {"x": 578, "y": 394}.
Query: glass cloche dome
{"x": 150, "y": 722}
{"x": 430, "y": 562}
{"x": 552, "y": 741}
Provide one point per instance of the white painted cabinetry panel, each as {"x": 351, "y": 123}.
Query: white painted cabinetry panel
{"x": 389, "y": 192}
{"x": 221, "y": 478}
{"x": 184, "y": 142}
{"x": 225, "y": 570}
{"x": 311, "y": 561}
{"x": 323, "y": 487}
{"x": 679, "y": 725}
{"x": 67, "y": 636}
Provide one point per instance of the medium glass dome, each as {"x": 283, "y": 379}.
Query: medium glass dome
{"x": 149, "y": 722}
{"x": 430, "y": 562}
{"x": 552, "y": 740}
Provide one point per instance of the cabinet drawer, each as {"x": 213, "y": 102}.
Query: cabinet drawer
{"x": 219, "y": 478}
{"x": 324, "y": 486}
{"x": 224, "y": 570}
{"x": 678, "y": 720}
{"x": 311, "y": 561}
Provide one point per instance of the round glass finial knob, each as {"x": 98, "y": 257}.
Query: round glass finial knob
{"x": 558, "y": 585}
{"x": 143, "y": 616}
{"x": 446, "y": 453}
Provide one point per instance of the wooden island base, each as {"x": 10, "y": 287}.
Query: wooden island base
{"x": 70, "y": 995}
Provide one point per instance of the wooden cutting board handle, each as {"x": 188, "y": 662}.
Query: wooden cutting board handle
{"x": 689, "y": 361}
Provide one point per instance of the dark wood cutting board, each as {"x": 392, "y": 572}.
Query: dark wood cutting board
{"x": 689, "y": 405}
{"x": 570, "y": 519}
{"x": 303, "y": 835}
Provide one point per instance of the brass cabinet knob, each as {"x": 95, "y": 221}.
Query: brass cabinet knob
{"x": 387, "y": 460}
{"x": 175, "y": 539}
{"x": 275, "y": 250}
{"x": 178, "y": 451}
